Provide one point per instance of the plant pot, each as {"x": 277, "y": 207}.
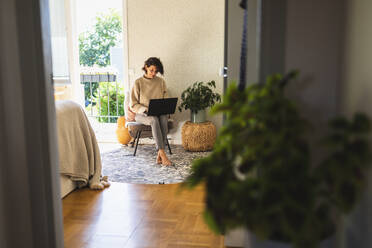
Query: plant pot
{"x": 198, "y": 137}
{"x": 251, "y": 241}
{"x": 198, "y": 117}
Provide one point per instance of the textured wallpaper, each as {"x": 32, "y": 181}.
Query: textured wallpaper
{"x": 187, "y": 35}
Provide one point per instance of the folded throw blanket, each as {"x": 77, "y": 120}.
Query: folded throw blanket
{"x": 79, "y": 156}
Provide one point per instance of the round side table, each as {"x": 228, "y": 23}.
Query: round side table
{"x": 198, "y": 137}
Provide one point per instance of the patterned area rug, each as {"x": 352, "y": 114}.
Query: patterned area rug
{"x": 121, "y": 166}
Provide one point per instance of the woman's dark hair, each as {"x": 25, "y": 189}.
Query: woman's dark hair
{"x": 156, "y": 62}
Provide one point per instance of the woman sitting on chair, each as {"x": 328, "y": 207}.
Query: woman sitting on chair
{"x": 147, "y": 87}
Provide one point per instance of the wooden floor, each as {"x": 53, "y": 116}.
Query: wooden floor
{"x": 133, "y": 215}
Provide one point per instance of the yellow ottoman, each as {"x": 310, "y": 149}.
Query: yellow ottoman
{"x": 198, "y": 137}
{"x": 122, "y": 132}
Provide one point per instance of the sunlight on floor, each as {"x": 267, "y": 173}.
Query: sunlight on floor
{"x": 108, "y": 146}
{"x": 105, "y": 132}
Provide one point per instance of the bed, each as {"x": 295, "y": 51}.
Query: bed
{"x": 79, "y": 156}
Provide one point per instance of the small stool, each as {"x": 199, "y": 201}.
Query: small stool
{"x": 198, "y": 137}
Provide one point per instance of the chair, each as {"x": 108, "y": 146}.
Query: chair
{"x": 138, "y": 130}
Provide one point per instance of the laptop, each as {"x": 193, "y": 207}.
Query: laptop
{"x": 163, "y": 106}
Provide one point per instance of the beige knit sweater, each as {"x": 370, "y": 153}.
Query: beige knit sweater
{"x": 145, "y": 89}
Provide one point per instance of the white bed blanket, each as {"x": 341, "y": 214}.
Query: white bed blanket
{"x": 79, "y": 156}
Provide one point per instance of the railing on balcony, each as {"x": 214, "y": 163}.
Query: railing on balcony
{"x": 103, "y": 95}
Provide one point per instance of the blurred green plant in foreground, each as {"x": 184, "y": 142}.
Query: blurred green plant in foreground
{"x": 260, "y": 174}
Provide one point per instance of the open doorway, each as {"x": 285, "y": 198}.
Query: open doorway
{"x": 99, "y": 37}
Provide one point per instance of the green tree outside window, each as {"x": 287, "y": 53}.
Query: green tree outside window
{"x": 94, "y": 50}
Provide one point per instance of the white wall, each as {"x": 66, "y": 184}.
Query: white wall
{"x": 357, "y": 96}
{"x": 357, "y": 90}
{"x": 188, "y": 37}
{"x": 314, "y": 39}
{"x": 336, "y": 75}
{"x": 314, "y": 44}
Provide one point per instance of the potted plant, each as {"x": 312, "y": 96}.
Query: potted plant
{"x": 260, "y": 174}
{"x": 197, "y": 98}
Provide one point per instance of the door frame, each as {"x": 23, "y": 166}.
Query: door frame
{"x": 30, "y": 191}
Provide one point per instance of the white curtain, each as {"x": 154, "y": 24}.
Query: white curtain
{"x": 59, "y": 41}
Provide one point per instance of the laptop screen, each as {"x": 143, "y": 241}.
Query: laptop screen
{"x": 163, "y": 106}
